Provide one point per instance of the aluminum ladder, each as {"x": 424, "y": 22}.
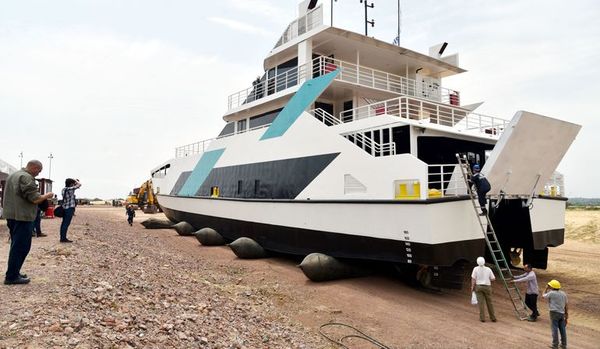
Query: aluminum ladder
{"x": 493, "y": 245}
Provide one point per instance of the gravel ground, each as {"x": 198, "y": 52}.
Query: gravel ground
{"x": 117, "y": 287}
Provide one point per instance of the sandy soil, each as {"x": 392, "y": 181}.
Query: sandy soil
{"x": 120, "y": 286}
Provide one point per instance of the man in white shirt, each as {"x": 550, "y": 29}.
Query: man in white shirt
{"x": 481, "y": 283}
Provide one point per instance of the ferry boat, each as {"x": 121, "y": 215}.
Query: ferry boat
{"x": 347, "y": 146}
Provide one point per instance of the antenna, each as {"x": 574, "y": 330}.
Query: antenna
{"x": 399, "y": 17}
{"x": 367, "y": 22}
{"x": 332, "y": 11}
{"x": 50, "y": 167}
{"x": 21, "y": 156}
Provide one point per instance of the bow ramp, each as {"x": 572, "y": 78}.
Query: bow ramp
{"x": 527, "y": 154}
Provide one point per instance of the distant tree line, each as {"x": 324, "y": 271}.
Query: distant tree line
{"x": 576, "y": 202}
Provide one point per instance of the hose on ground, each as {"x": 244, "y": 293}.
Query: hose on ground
{"x": 360, "y": 335}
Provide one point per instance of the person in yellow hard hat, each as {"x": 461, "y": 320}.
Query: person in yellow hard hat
{"x": 559, "y": 312}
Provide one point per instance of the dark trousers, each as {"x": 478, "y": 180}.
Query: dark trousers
{"x": 38, "y": 222}
{"x": 557, "y": 324}
{"x": 130, "y": 220}
{"x": 531, "y": 303}
{"x": 20, "y": 244}
{"x": 66, "y": 221}
{"x": 482, "y": 200}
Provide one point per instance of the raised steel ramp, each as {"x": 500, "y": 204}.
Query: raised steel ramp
{"x": 527, "y": 154}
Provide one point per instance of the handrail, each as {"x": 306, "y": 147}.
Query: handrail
{"x": 267, "y": 87}
{"x": 349, "y": 72}
{"x": 446, "y": 179}
{"x": 192, "y": 148}
{"x": 324, "y": 117}
{"x": 301, "y": 25}
{"x": 381, "y": 80}
{"x": 417, "y": 109}
{"x": 376, "y": 149}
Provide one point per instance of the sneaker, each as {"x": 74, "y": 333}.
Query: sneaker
{"x": 41, "y": 235}
{"x": 531, "y": 319}
{"x": 65, "y": 240}
{"x": 18, "y": 281}
{"x": 493, "y": 320}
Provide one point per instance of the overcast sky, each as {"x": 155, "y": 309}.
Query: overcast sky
{"x": 111, "y": 87}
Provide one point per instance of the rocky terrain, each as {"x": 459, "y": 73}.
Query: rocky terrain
{"x": 118, "y": 286}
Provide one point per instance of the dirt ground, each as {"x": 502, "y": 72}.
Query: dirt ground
{"x": 118, "y": 286}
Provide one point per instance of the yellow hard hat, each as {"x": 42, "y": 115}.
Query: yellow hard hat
{"x": 554, "y": 284}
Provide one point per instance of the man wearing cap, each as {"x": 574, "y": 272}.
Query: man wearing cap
{"x": 559, "y": 314}
{"x": 21, "y": 197}
{"x": 481, "y": 283}
{"x": 482, "y": 186}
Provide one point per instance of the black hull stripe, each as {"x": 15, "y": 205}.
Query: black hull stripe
{"x": 279, "y": 179}
{"x": 302, "y": 242}
{"x": 546, "y": 238}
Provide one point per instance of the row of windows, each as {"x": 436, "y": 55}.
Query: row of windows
{"x": 251, "y": 123}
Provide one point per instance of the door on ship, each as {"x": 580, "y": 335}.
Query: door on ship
{"x": 326, "y": 107}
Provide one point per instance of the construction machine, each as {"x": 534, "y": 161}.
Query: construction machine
{"x": 144, "y": 198}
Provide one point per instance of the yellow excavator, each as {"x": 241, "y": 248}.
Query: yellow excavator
{"x": 144, "y": 198}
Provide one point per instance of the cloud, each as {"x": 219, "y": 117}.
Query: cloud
{"x": 108, "y": 108}
{"x": 241, "y": 26}
{"x": 267, "y": 9}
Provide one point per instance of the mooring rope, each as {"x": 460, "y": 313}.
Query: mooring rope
{"x": 361, "y": 335}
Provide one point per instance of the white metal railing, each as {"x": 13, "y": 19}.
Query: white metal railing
{"x": 324, "y": 117}
{"x": 201, "y": 146}
{"x": 377, "y": 79}
{"x": 370, "y": 146}
{"x": 309, "y": 21}
{"x": 193, "y": 148}
{"x": 434, "y": 113}
{"x": 267, "y": 87}
{"x": 445, "y": 180}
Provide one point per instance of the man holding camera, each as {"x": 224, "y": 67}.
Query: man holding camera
{"x": 21, "y": 198}
{"x": 68, "y": 203}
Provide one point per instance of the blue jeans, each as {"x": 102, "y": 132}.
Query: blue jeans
{"x": 66, "y": 221}
{"x": 557, "y": 324}
{"x": 20, "y": 244}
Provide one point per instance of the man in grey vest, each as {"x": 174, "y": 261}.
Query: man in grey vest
{"x": 21, "y": 197}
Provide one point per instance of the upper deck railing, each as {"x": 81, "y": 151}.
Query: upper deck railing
{"x": 267, "y": 87}
{"x": 350, "y": 73}
{"x": 309, "y": 21}
{"x": 380, "y": 80}
{"x": 433, "y": 113}
{"x": 193, "y": 148}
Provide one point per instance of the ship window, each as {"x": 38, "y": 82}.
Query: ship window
{"x": 401, "y": 138}
{"x": 241, "y": 125}
{"x": 228, "y": 129}
{"x": 239, "y": 187}
{"x": 287, "y": 76}
{"x": 263, "y": 119}
{"x": 256, "y": 187}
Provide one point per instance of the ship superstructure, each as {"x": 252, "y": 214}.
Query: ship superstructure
{"x": 347, "y": 146}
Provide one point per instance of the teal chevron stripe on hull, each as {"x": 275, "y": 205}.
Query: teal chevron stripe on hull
{"x": 305, "y": 96}
{"x": 200, "y": 172}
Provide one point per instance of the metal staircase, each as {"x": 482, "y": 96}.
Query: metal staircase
{"x": 493, "y": 245}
